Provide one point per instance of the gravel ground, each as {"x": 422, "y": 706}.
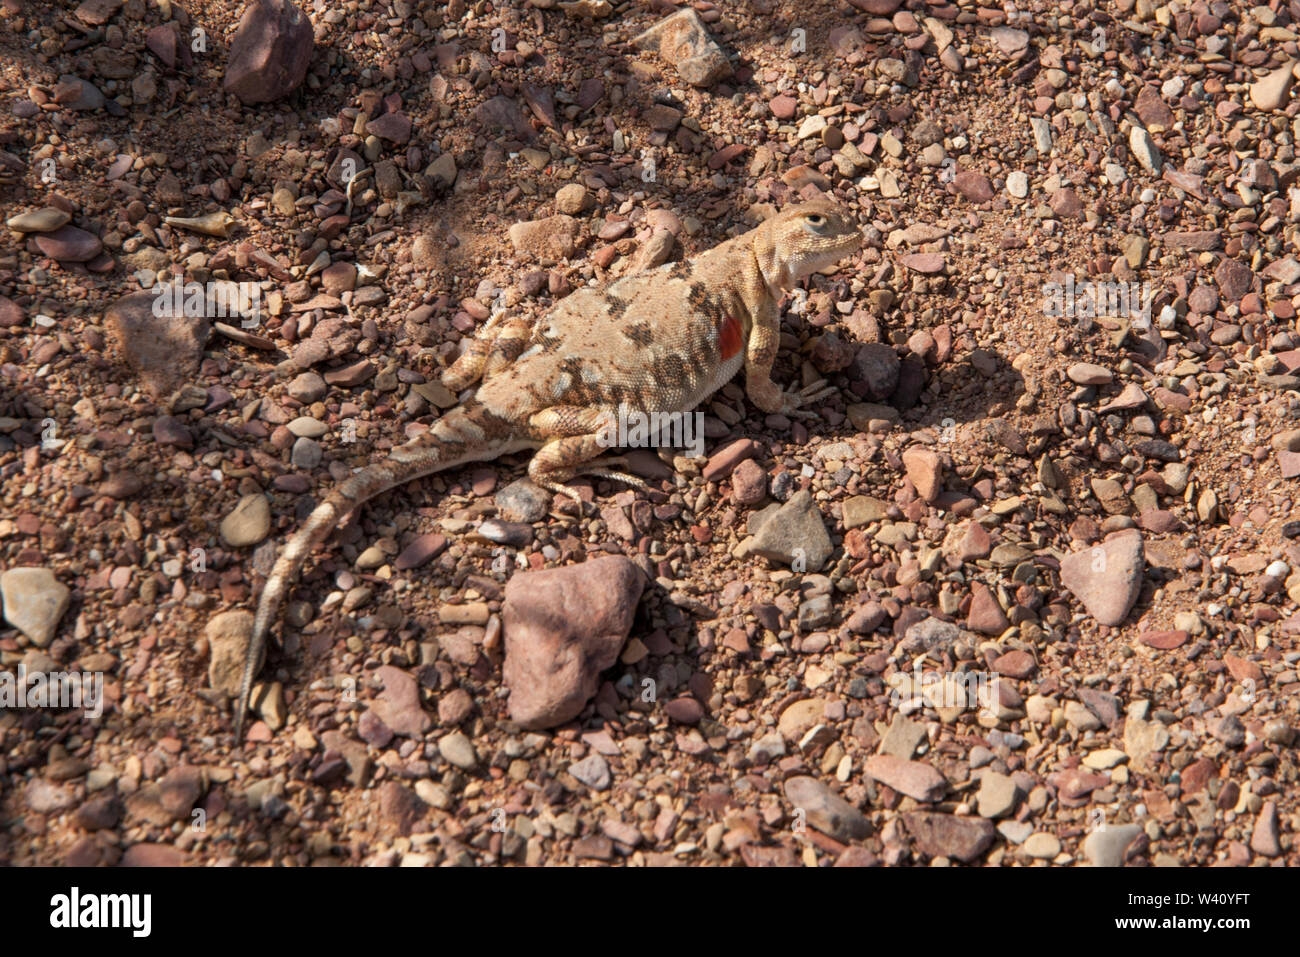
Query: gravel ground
{"x": 1086, "y": 514}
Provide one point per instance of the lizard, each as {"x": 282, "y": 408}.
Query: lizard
{"x": 661, "y": 340}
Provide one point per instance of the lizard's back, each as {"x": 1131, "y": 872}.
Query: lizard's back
{"x": 655, "y": 341}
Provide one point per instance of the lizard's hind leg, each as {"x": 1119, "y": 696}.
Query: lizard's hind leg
{"x": 575, "y": 439}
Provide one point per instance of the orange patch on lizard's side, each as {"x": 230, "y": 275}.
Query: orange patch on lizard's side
{"x": 730, "y": 338}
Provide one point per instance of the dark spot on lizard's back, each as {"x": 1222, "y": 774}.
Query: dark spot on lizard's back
{"x": 669, "y": 369}
{"x": 639, "y": 332}
{"x": 699, "y": 299}
{"x": 681, "y": 270}
{"x": 616, "y": 306}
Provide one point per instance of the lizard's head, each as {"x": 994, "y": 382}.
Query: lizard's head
{"x": 803, "y": 239}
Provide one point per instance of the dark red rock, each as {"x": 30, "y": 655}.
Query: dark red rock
{"x": 270, "y": 52}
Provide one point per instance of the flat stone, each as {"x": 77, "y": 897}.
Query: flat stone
{"x": 592, "y": 771}
{"x": 69, "y": 244}
{"x": 916, "y": 779}
{"x": 158, "y": 345}
{"x": 1041, "y": 846}
{"x": 43, "y": 220}
{"x": 997, "y": 795}
{"x": 398, "y": 706}
{"x": 1271, "y": 91}
{"x": 945, "y": 835}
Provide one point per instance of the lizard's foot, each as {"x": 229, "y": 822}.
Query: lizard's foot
{"x": 555, "y": 488}
{"x": 600, "y": 469}
{"x": 813, "y": 392}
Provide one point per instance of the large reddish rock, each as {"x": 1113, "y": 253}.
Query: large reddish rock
{"x": 563, "y": 627}
{"x": 270, "y": 52}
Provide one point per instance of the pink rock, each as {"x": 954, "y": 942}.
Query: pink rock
{"x": 153, "y": 855}
{"x": 684, "y": 710}
{"x": 563, "y": 627}
{"x": 943, "y": 835}
{"x": 916, "y": 779}
{"x": 748, "y": 483}
{"x": 270, "y": 52}
{"x": 783, "y": 107}
{"x": 399, "y": 705}
{"x": 723, "y": 462}
{"x": 986, "y": 615}
{"x": 1067, "y": 204}
{"x": 925, "y": 263}
{"x": 1164, "y": 640}
{"x": 1107, "y": 577}
{"x": 925, "y": 469}
{"x": 974, "y": 186}
{"x": 394, "y": 127}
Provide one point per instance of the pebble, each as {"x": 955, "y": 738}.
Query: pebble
{"x": 69, "y": 244}
{"x": 1107, "y": 577}
{"x": 43, "y": 220}
{"x": 457, "y": 749}
{"x": 998, "y": 795}
{"x": 825, "y": 810}
{"x": 925, "y": 471}
{"x": 945, "y": 835}
{"x": 1271, "y": 91}
{"x": 1041, "y": 846}
{"x": 248, "y": 523}
{"x": 1106, "y": 845}
{"x": 592, "y": 771}
{"x": 307, "y": 454}
{"x": 34, "y": 602}
{"x": 793, "y": 534}
{"x": 916, "y": 779}
{"x": 522, "y": 501}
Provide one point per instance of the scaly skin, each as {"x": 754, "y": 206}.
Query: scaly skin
{"x": 660, "y": 341}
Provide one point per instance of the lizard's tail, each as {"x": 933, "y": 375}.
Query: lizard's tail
{"x": 464, "y": 434}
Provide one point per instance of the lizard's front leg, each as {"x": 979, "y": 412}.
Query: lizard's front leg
{"x": 760, "y": 355}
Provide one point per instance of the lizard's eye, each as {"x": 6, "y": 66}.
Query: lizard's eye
{"x": 816, "y": 219}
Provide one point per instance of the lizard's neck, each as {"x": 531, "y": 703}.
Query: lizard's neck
{"x": 777, "y": 276}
